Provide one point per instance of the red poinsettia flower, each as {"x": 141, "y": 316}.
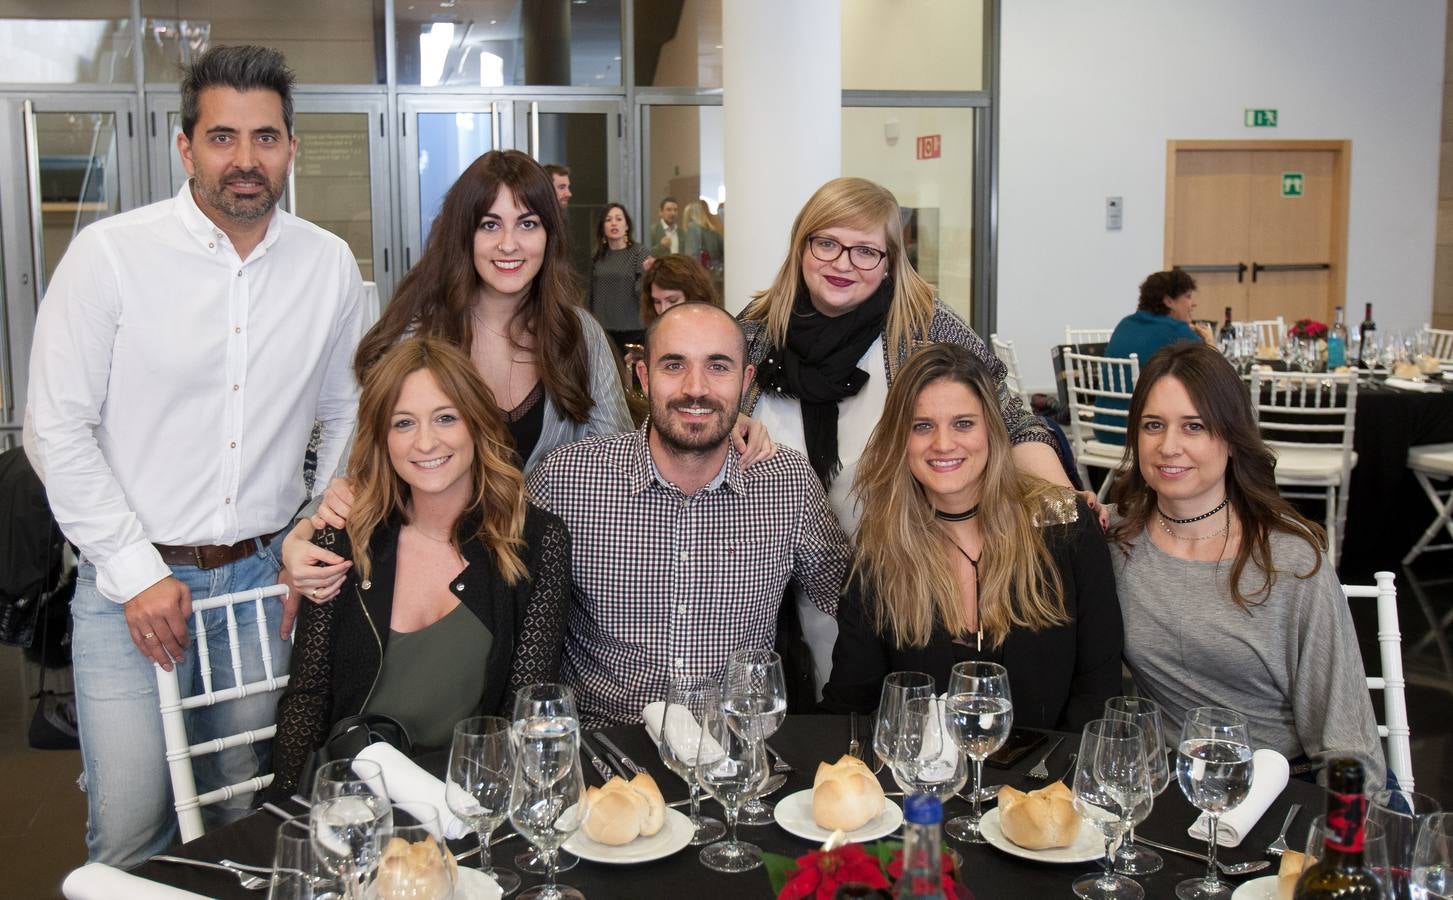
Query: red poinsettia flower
{"x": 895, "y": 865}
{"x": 819, "y": 874}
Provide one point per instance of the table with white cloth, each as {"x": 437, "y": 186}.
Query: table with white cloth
{"x": 804, "y": 741}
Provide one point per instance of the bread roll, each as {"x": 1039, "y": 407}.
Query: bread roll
{"x": 412, "y": 870}
{"x": 1039, "y": 820}
{"x": 845, "y": 795}
{"x": 1292, "y": 864}
{"x": 622, "y": 811}
{"x": 645, "y": 786}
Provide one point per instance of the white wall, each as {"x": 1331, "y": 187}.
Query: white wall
{"x": 1091, "y": 92}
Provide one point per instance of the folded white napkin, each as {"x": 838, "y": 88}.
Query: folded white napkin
{"x": 96, "y": 881}
{"x": 407, "y": 783}
{"x": 1269, "y": 774}
{"x": 682, "y": 731}
{"x": 936, "y": 737}
{"x": 1408, "y": 384}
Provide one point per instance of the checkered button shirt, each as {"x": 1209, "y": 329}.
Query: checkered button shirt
{"x": 666, "y": 583}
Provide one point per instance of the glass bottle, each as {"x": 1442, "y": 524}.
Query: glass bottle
{"x": 1337, "y": 342}
{"x": 1341, "y": 872}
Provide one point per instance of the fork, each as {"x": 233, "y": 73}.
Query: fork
{"x": 1279, "y": 846}
{"x": 247, "y": 881}
{"x": 1040, "y": 772}
{"x": 778, "y": 763}
{"x": 855, "y": 748}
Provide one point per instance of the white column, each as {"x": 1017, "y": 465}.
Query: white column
{"x": 782, "y": 118}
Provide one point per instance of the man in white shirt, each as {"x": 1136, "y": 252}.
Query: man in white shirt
{"x": 181, "y": 356}
{"x": 665, "y": 236}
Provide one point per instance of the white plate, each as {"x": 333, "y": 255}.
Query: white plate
{"x": 1088, "y": 844}
{"x": 475, "y": 885}
{"x": 676, "y": 832}
{"x": 794, "y": 814}
{"x": 1263, "y": 888}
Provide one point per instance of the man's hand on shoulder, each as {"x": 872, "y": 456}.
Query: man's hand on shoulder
{"x": 157, "y": 618}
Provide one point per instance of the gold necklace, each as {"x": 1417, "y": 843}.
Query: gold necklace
{"x": 510, "y": 374}
{"x": 426, "y": 535}
{"x": 1225, "y": 529}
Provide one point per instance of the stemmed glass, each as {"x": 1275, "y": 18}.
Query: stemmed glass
{"x": 547, "y": 794}
{"x": 898, "y": 689}
{"x": 297, "y": 872}
{"x": 533, "y": 701}
{"x": 1401, "y": 815}
{"x": 1131, "y": 859}
{"x": 1213, "y": 767}
{"x": 688, "y": 698}
{"x": 732, "y": 777}
{"x": 1432, "y": 872}
{"x": 1374, "y": 852}
{"x": 754, "y": 698}
{"x": 1112, "y": 789}
{"x": 350, "y": 809}
{"x": 414, "y": 863}
{"x": 979, "y": 715}
{"x": 481, "y": 770}
{"x": 925, "y": 759}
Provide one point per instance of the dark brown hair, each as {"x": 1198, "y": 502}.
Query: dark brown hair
{"x": 1163, "y": 286}
{"x": 600, "y": 243}
{"x": 437, "y": 296}
{"x": 676, "y": 272}
{"x": 1224, "y": 406}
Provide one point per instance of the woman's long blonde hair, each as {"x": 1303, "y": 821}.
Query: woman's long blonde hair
{"x": 906, "y": 561}
{"x": 862, "y": 205}
{"x": 498, "y": 496}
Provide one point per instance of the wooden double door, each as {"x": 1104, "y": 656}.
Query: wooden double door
{"x": 1260, "y": 225}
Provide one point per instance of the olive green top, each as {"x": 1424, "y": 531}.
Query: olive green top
{"x": 433, "y": 677}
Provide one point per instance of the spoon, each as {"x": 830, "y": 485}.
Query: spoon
{"x": 1245, "y": 868}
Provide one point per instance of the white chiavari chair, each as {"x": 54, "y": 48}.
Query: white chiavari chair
{"x": 1005, "y": 351}
{"x": 1269, "y": 332}
{"x": 1390, "y": 680}
{"x": 1439, "y": 343}
{"x": 1077, "y": 337}
{"x": 1090, "y": 380}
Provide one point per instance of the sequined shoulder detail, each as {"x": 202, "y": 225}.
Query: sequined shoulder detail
{"x": 1059, "y": 507}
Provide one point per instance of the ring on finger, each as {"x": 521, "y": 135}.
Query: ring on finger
{"x": 149, "y": 636}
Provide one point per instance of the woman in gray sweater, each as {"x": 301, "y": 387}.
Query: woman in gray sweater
{"x": 1227, "y": 595}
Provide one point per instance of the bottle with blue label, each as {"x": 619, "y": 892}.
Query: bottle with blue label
{"x": 922, "y": 866}
{"x": 1337, "y": 343}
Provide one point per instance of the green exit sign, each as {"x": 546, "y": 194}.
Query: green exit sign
{"x": 1292, "y": 184}
{"x": 1261, "y": 118}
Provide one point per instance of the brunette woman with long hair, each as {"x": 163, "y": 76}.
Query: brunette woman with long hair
{"x": 965, "y": 557}
{"x": 1226, "y": 591}
{"x": 460, "y": 585}
{"x": 616, "y": 268}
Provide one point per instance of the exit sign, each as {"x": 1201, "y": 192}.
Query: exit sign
{"x": 930, "y": 146}
{"x": 1261, "y": 118}
{"x": 1292, "y": 184}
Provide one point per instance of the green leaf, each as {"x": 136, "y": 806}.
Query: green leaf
{"x": 884, "y": 851}
{"x": 779, "y": 869}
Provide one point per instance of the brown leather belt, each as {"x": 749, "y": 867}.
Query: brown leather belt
{"x": 211, "y": 556}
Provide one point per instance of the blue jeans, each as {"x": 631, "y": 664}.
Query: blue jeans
{"x": 128, "y": 790}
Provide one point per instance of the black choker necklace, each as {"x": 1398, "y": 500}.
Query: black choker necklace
{"x": 957, "y": 517}
{"x": 1220, "y": 506}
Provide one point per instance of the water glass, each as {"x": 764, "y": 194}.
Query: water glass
{"x": 732, "y": 776}
{"x": 1432, "y": 874}
{"x": 1401, "y": 815}
{"x": 414, "y": 863}
{"x": 980, "y": 714}
{"x": 350, "y": 810}
{"x": 1213, "y": 767}
{"x": 1374, "y": 850}
{"x": 925, "y": 758}
{"x": 477, "y": 787}
{"x": 297, "y": 872}
{"x": 1132, "y": 859}
{"x": 548, "y": 802}
{"x": 1112, "y": 792}
{"x": 688, "y": 698}
{"x": 754, "y": 697}
{"x": 898, "y": 689}
{"x": 544, "y": 699}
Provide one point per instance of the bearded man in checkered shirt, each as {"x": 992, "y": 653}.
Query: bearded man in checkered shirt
{"x": 679, "y": 555}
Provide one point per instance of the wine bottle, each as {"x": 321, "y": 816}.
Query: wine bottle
{"x": 1341, "y": 872}
{"x": 922, "y": 877}
{"x": 1337, "y": 342}
{"x": 1368, "y": 327}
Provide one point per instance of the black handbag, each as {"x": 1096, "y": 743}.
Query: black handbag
{"x": 348, "y": 738}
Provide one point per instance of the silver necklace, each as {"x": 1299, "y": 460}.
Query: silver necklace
{"x": 1223, "y": 530}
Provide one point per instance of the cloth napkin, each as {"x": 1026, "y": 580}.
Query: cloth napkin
{"x": 407, "y": 783}
{"x": 1269, "y": 774}
{"x": 936, "y": 736}
{"x": 97, "y": 881}
{"x": 682, "y": 732}
{"x": 1408, "y": 384}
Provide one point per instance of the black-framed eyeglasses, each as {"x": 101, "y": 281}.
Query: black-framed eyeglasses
{"x": 863, "y": 257}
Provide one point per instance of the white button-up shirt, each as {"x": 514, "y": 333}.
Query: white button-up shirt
{"x": 173, "y": 385}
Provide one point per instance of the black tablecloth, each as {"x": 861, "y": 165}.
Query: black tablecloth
{"x": 804, "y": 741}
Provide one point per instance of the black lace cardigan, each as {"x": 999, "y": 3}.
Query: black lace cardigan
{"x": 338, "y": 645}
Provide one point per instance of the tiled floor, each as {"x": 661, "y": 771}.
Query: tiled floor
{"x": 42, "y": 822}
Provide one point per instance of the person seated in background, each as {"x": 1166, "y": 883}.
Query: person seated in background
{"x": 680, "y": 554}
{"x": 964, "y": 557}
{"x": 1167, "y": 300}
{"x": 1228, "y": 597}
{"x": 458, "y": 591}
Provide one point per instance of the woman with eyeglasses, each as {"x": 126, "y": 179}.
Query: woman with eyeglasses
{"x": 829, "y": 336}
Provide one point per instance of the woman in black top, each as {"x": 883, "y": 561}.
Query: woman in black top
{"x": 961, "y": 556}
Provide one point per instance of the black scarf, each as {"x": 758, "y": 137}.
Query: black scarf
{"x": 819, "y": 367}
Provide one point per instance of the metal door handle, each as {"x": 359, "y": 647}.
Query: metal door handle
{"x": 1257, "y": 267}
{"x": 1238, "y": 268}
{"x": 494, "y": 125}
{"x": 32, "y": 175}
{"x": 535, "y": 131}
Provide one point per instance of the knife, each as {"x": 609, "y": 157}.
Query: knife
{"x": 601, "y": 768}
{"x": 625, "y": 761}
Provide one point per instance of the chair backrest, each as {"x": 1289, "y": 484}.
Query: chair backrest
{"x": 1005, "y": 351}
{"x": 1440, "y": 343}
{"x": 1390, "y": 681}
{"x": 1314, "y": 410}
{"x": 1077, "y": 337}
{"x": 179, "y": 750}
{"x": 1091, "y": 378}
{"x": 1269, "y": 332}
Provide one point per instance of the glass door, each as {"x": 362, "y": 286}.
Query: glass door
{"x": 79, "y": 163}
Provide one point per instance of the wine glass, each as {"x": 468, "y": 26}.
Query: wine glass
{"x": 732, "y": 776}
{"x": 1131, "y": 859}
{"x": 350, "y": 809}
{"x": 1374, "y": 850}
{"x": 688, "y": 698}
{"x": 548, "y": 802}
{"x": 297, "y": 872}
{"x": 925, "y": 759}
{"x": 754, "y": 697}
{"x": 544, "y": 699}
{"x": 477, "y": 790}
{"x": 1432, "y": 873}
{"x": 979, "y": 714}
{"x": 1401, "y": 815}
{"x": 414, "y": 863}
{"x": 1213, "y": 767}
{"x": 1112, "y": 790}
{"x": 898, "y": 688}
